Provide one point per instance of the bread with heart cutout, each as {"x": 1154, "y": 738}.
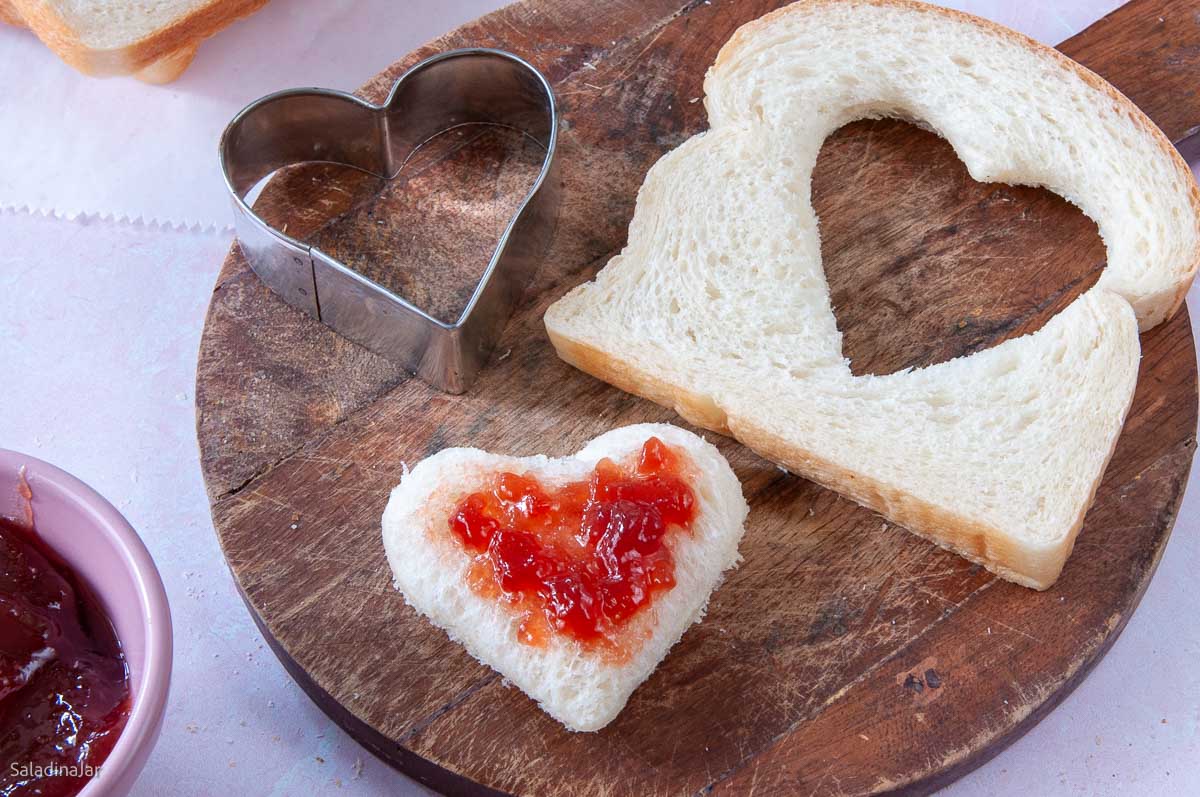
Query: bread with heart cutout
{"x": 571, "y": 577}
{"x": 719, "y": 308}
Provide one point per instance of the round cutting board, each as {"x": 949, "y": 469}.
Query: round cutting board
{"x": 844, "y": 655}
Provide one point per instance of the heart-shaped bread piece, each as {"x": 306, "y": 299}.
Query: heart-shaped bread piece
{"x": 582, "y": 684}
{"x": 719, "y": 308}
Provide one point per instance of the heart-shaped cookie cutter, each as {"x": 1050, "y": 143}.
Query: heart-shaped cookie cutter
{"x": 459, "y": 87}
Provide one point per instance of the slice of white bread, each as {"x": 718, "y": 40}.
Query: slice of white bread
{"x": 719, "y": 308}
{"x": 154, "y": 40}
{"x": 579, "y": 687}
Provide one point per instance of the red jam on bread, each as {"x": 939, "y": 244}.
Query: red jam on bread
{"x": 64, "y": 687}
{"x": 582, "y": 558}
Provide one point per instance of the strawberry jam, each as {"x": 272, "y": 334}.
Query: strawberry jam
{"x": 582, "y": 558}
{"x": 64, "y": 689}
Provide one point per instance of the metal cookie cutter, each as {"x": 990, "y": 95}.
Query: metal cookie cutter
{"x": 459, "y": 87}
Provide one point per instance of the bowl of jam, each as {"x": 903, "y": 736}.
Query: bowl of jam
{"x": 85, "y": 638}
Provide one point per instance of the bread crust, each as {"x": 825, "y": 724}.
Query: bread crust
{"x": 157, "y": 58}
{"x": 982, "y": 544}
{"x": 1163, "y": 307}
{"x": 9, "y": 15}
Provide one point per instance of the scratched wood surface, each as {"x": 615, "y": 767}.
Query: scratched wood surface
{"x": 844, "y": 656}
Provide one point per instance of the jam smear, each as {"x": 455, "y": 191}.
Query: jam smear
{"x": 582, "y": 558}
{"x": 64, "y": 686}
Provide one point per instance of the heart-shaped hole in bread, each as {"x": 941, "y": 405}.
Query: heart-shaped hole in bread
{"x": 955, "y": 267}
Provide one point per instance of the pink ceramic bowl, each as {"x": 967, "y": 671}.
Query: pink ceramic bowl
{"x": 107, "y": 553}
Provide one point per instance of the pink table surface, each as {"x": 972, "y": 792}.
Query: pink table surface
{"x": 100, "y": 322}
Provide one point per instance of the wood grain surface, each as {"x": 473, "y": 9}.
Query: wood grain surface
{"x": 845, "y": 655}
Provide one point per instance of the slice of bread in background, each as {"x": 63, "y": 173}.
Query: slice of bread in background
{"x": 153, "y": 40}
{"x": 719, "y": 308}
{"x": 580, "y": 688}
{"x": 9, "y": 15}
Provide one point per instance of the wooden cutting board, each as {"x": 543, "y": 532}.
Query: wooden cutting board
{"x": 845, "y": 655}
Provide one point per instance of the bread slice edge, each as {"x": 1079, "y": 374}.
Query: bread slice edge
{"x": 984, "y": 544}
{"x": 158, "y": 57}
